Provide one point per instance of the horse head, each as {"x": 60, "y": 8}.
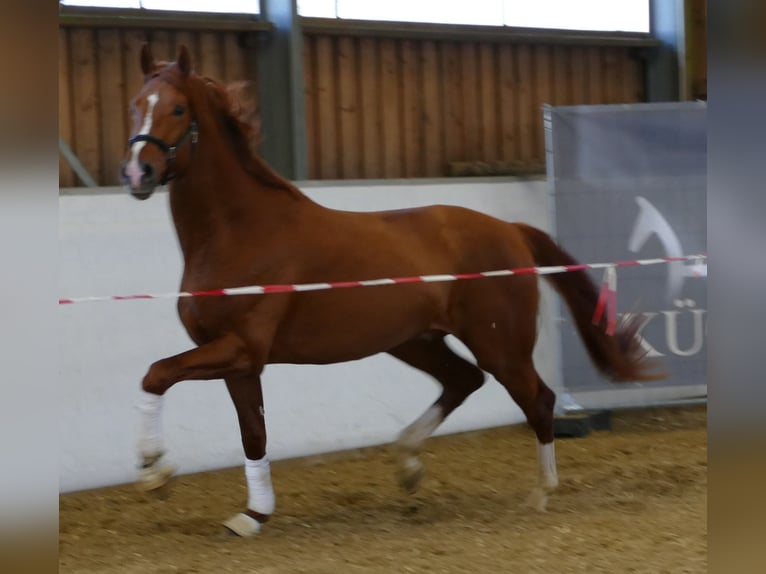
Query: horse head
{"x": 163, "y": 125}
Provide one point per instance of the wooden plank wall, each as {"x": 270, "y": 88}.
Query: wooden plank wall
{"x": 375, "y": 107}
{"x": 99, "y": 73}
{"x": 391, "y": 108}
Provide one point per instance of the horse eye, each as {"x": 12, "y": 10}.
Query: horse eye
{"x": 178, "y": 110}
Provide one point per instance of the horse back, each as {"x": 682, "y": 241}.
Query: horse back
{"x": 461, "y": 239}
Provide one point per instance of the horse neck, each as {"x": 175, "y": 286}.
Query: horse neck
{"x": 216, "y": 199}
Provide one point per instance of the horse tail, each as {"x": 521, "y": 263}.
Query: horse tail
{"x": 617, "y": 356}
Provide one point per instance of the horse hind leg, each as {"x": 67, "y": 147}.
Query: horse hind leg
{"x": 536, "y": 401}
{"x": 505, "y": 350}
{"x": 459, "y": 378}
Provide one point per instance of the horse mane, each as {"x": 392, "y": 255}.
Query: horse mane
{"x": 237, "y": 113}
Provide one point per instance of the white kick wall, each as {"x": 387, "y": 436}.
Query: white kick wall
{"x": 112, "y": 244}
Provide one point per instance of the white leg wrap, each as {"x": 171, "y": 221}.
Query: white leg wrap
{"x": 414, "y": 435}
{"x": 546, "y": 456}
{"x": 150, "y": 440}
{"x": 260, "y": 492}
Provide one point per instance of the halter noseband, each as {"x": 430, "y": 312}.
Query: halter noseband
{"x": 170, "y": 150}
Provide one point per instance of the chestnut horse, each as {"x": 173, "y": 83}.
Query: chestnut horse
{"x": 239, "y": 223}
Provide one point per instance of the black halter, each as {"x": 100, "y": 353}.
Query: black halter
{"x": 170, "y": 150}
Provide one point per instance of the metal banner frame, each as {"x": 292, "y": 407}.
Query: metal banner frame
{"x": 630, "y": 181}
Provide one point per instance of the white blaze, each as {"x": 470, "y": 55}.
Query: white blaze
{"x": 133, "y": 169}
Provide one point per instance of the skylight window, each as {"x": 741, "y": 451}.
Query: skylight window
{"x": 600, "y": 15}
{"x": 221, "y": 6}
{"x": 597, "y": 15}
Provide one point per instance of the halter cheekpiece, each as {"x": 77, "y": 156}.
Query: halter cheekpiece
{"x": 170, "y": 150}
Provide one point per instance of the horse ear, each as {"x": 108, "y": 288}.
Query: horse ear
{"x": 184, "y": 60}
{"x": 147, "y": 61}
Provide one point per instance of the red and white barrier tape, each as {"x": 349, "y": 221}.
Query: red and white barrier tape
{"x": 607, "y": 301}
{"x": 267, "y": 289}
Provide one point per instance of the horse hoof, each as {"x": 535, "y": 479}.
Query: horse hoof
{"x": 538, "y": 499}
{"x": 243, "y": 525}
{"x": 154, "y": 478}
{"x": 411, "y": 474}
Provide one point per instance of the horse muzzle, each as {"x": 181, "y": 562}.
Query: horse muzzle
{"x": 139, "y": 178}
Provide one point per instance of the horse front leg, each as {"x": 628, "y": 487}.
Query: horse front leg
{"x": 247, "y": 395}
{"x": 218, "y": 359}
